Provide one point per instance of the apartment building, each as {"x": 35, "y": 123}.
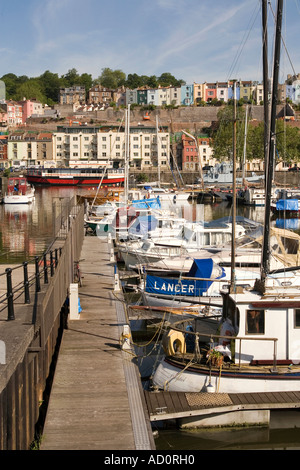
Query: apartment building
{"x": 147, "y": 147}
{"x": 14, "y": 113}
{"x": 195, "y": 152}
{"x": 72, "y": 95}
{"x": 99, "y": 95}
{"x": 22, "y": 149}
{"x": 89, "y": 146}
{"x": 3, "y": 152}
{"x": 74, "y": 146}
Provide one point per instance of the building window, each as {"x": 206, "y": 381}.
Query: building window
{"x": 297, "y": 318}
{"x": 255, "y": 322}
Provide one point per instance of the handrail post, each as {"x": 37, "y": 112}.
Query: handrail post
{"x": 37, "y": 275}
{"x": 45, "y": 270}
{"x": 26, "y": 283}
{"x": 274, "y": 356}
{"x": 9, "y": 294}
{"x": 51, "y": 263}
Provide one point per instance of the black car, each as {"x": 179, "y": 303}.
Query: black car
{"x": 207, "y": 167}
{"x": 294, "y": 168}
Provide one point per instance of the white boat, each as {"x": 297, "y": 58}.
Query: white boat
{"x": 254, "y": 196}
{"x": 165, "y": 195}
{"x": 284, "y": 253}
{"x": 261, "y": 338}
{"x": 156, "y": 224}
{"x": 193, "y": 237}
{"x": 222, "y": 173}
{"x": 19, "y": 191}
{"x": 203, "y": 284}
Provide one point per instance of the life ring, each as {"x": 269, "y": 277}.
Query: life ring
{"x": 174, "y": 341}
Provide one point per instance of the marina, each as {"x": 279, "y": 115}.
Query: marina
{"x": 152, "y": 415}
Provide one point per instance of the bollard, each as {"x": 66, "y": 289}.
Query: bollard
{"x": 26, "y": 283}
{"x": 37, "y": 275}
{"x": 117, "y": 281}
{"x": 73, "y": 305}
{"x": 9, "y": 294}
{"x": 125, "y": 337}
{"x": 56, "y": 258}
{"x": 111, "y": 249}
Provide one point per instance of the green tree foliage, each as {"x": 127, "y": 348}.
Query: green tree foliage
{"x": 111, "y": 79}
{"x": 47, "y": 85}
{"x": 50, "y": 85}
{"x": 223, "y": 135}
{"x": 287, "y": 138}
{"x": 31, "y": 89}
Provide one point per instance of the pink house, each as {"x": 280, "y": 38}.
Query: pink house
{"x": 29, "y": 108}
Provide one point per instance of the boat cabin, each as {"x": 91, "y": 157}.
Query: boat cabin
{"x": 267, "y": 327}
{"x": 17, "y": 185}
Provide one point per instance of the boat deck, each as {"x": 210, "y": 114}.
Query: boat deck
{"x": 173, "y": 405}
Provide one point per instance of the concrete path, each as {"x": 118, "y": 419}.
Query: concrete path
{"x": 96, "y": 402}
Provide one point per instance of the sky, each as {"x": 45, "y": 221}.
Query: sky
{"x": 194, "y": 40}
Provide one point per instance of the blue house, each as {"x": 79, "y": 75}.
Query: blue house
{"x": 187, "y": 95}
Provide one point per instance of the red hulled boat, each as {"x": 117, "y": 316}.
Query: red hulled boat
{"x": 76, "y": 176}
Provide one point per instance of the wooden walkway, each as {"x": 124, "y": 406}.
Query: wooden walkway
{"x": 96, "y": 401}
{"x": 172, "y": 405}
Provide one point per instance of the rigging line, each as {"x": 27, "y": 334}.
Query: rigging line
{"x": 297, "y": 5}
{"x": 288, "y": 56}
{"x": 242, "y": 45}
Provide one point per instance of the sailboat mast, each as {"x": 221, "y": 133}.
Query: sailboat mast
{"x": 158, "y": 155}
{"x": 265, "y": 82}
{"x": 271, "y": 150}
{"x": 232, "y": 276}
{"x": 127, "y": 147}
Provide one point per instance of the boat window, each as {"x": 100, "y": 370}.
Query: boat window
{"x": 255, "y": 322}
{"x": 297, "y": 318}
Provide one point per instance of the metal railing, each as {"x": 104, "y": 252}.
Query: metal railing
{"x": 42, "y": 267}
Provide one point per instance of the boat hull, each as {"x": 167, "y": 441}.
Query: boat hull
{"x": 74, "y": 181}
{"x": 169, "y": 376}
{"x": 18, "y": 199}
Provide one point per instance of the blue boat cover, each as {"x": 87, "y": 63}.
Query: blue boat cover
{"x": 287, "y": 205}
{"x": 201, "y": 268}
{"x": 290, "y": 224}
{"x": 143, "y": 225}
{"x": 152, "y": 203}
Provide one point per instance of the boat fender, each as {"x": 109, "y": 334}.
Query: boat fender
{"x": 174, "y": 341}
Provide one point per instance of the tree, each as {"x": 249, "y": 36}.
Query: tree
{"x": 50, "y": 85}
{"x": 134, "y": 81}
{"x": 223, "y": 135}
{"x": 30, "y": 90}
{"x": 167, "y": 79}
{"x": 111, "y": 79}
{"x": 71, "y": 78}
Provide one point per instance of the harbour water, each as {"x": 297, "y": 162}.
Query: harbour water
{"x": 27, "y": 231}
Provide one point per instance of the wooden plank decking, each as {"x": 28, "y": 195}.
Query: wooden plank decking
{"x": 172, "y": 405}
{"x": 96, "y": 401}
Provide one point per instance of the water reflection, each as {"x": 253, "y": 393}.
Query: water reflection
{"x": 28, "y": 229}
